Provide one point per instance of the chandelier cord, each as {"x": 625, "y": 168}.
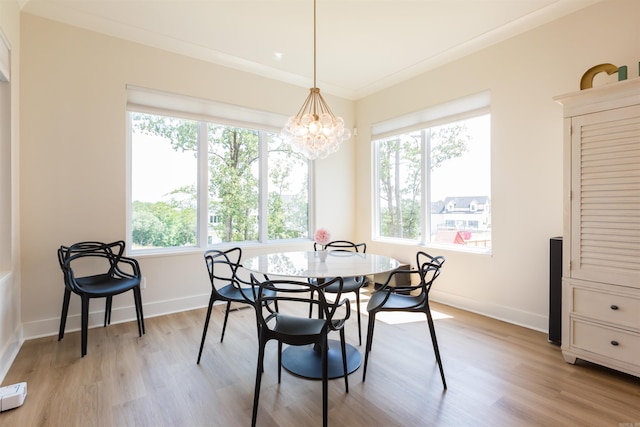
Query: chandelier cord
{"x": 314, "y": 44}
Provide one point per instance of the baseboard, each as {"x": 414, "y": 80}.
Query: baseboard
{"x": 49, "y": 327}
{"x": 500, "y": 312}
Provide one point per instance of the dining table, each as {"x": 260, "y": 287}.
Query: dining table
{"x": 306, "y": 361}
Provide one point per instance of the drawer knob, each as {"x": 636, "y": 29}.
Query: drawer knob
{"x": 614, "y": 307}
{"x": 615, "y": 343}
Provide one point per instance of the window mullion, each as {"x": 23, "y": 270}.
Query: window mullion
{"x": 426, "y": 185}
{"x": 203, "y": 185}
{"x": 263, "y": 185}
{"x": 375, "y": 190}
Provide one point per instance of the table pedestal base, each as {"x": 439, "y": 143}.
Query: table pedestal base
{"x": 304, "y": 361}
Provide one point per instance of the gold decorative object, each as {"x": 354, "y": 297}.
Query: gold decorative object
{"x": 586, "y": 82}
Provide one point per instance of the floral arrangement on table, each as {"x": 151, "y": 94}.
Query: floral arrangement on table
{"x": 322, "y": 237}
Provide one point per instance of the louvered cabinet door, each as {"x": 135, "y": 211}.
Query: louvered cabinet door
{"x": 601, "y": 254}
{"x": 605, "y": 196}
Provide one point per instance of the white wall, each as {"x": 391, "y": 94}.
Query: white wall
{"x": 10, "y": 326}
{"x": 73, "y": 170}
{"x": 523, "y": 75}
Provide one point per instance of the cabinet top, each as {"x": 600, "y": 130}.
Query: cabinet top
{"x": 600, "y": 98}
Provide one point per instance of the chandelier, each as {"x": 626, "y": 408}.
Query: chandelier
{"x": 314, "y": 130}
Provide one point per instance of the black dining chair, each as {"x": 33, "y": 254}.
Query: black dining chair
{"x": 351, "y": 284}
{"x": 226, "y": 285}
{"x": 98, "y": 270}
{"x": 277, "y": 307}
{"x": 411, "y": 298}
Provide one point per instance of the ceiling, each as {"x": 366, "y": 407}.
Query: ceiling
{"x": 363, "y": 46}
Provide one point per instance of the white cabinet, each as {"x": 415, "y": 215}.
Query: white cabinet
{"x": 601, "y": 250}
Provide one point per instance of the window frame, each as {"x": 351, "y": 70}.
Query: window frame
{"x": 149, "y": 101}
{"x": 469, "y": 107}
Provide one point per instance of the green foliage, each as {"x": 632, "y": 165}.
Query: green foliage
{"x": 448, "y": 142}
{"x": 161, "y": 225}
{"x": 181, "y": 133}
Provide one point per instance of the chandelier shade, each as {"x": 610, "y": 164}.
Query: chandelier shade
{"x": 315, "y": 131}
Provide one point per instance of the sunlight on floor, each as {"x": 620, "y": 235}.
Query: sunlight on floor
{"x": 394, "y": 318}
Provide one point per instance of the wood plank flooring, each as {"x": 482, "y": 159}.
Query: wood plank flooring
{"x": 498, "y": 375}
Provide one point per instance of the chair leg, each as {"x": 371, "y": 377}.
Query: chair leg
{"x": 325, "y": 381}
{"x": 226, "y": 316}
{"x": 256, "y": 393}
{"x": 311, "y": 305}
{"x": 343, "y": 347}
{"x": 65, "y": 309}
{"x": 137, "y": 299}
{"x": 139, "y": 293}
{"x": 279, "y": 361}
{"x": 206, "y": 326}
{"x": 85, "y": 324}
{"x": 367, "y": 348}
{"x": 359, "y": 320}
{"x": 434, "y": 340}
{"x": 107, "y": 311}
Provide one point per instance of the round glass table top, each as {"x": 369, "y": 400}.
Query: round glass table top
{"x": 310, "y": 264}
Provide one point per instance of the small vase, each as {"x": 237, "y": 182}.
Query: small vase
{"x": 322, "y": 255}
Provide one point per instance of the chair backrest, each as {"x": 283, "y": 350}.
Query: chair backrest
{"x": 64, "y": 252}
{"x": 90, "y": 259}
{"x": 292, "y": 298}
{"x": 223, "y": 270}
{"x": 429, "y": 268}
{"x": 341, "y": 245}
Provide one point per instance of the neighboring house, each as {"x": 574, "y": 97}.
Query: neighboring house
{"x": 462, "y": 220}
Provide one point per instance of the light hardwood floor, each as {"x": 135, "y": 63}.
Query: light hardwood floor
{"x": 498, "y": 375}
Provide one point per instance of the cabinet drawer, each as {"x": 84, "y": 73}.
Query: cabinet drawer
{"x": 609, "y": 342}
{"x": 606, "y": 306}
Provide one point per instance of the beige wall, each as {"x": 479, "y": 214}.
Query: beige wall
{"x": 74, "y": 160}
{"x": 523, "y": 75}
{"x": 10, "y": 325}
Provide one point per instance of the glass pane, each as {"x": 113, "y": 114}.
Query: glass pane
{"x": 399, "y": 184}
{"x": 233, "y": 184}
{"x": 460, "y": 182}
{"x": 288, "y": 191}
{"x": 164, "y": 204}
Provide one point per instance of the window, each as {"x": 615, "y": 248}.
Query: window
{"x": 203, "y": 179}
{"x": 433, "y": 176}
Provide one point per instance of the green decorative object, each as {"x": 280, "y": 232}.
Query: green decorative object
{"x": 622, "y": 73}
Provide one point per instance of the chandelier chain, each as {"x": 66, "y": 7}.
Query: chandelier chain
{"x": 314, "y": 43}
